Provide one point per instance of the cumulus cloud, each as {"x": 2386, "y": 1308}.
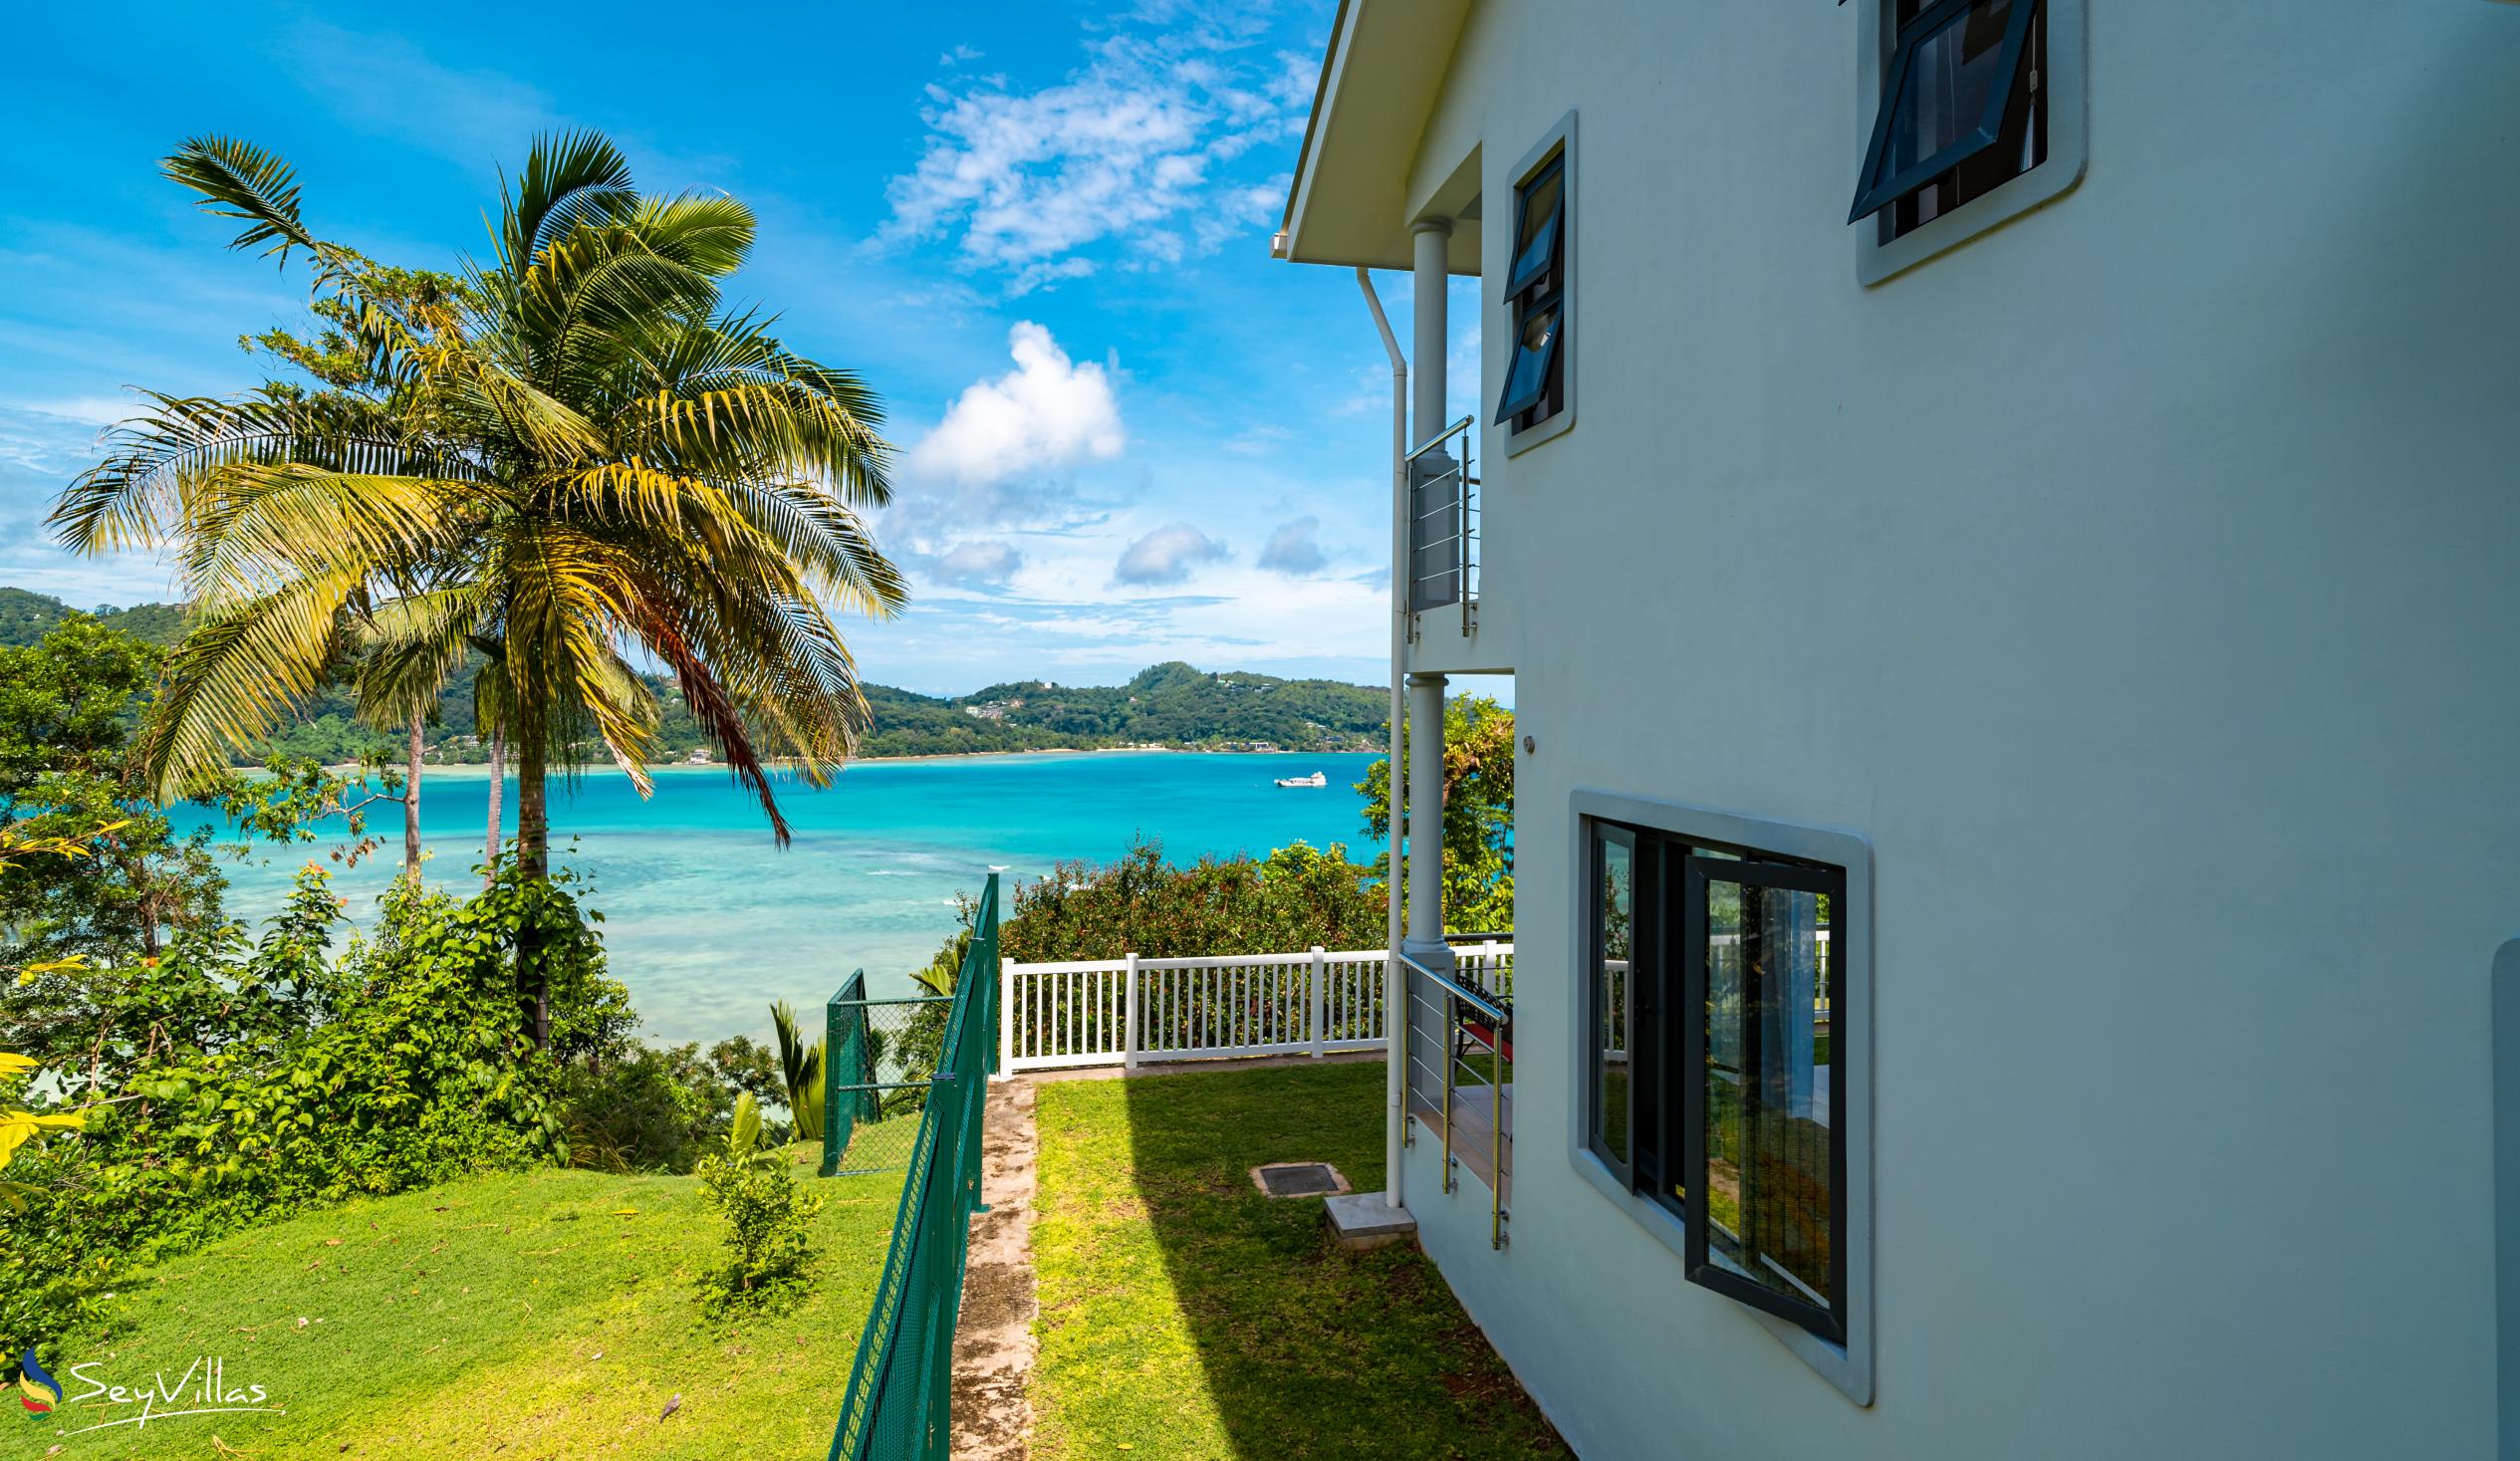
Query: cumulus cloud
{"x": 1166, "y": 556}
{"x": 978, "y": 562}
{"x": 1147, "y": 132}
{"x": 1049, "y": 411}
{"x": 1293, "y": 550}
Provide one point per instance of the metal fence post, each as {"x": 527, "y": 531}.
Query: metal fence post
{"x": 1129, "y": 1016}
{"x": 1317, "y": 1002}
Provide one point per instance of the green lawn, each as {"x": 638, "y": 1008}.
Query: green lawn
{"x": 544, "y": 1314}
{"x": 1185, "y": 1316}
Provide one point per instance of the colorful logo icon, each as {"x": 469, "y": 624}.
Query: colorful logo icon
{"x": 37, "y": 1391}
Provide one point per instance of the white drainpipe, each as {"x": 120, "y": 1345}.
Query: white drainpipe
{"x": 1394, "y": 978}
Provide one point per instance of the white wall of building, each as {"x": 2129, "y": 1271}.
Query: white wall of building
{"x": 2141, "y": 580}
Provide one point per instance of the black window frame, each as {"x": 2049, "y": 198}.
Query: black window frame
{"x": 1696, "y": 872}
{"x": 1666, "y": 1041}
{"x": 1533, "y": 291}
{"x": 1596, "y": 1000}
{"x": 1874, "y": 192}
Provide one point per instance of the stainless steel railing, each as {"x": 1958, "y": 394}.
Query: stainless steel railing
{"x": 1444, "y": 525}
{"x": 1467, "y": 1021}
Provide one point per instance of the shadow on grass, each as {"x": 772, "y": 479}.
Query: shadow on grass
{"x": 1185, "y": 1315}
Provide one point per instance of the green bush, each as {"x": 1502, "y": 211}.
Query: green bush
{"x": 767, "y": 1213}
{"x": 1293, "y": 898}
{"x": 640, "y": 1108}
{"x": 226, "y": 1087}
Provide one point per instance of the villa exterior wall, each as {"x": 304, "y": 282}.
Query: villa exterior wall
{"x": 2140, "y": 581}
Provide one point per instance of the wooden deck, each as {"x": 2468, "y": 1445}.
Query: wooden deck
{"x": 1473, "y": 1131}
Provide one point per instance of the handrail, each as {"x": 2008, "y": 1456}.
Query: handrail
{"x": 1477, "y": 999}
{"x": 1430, "y": 444}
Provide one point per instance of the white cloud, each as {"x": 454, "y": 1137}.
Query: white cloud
{"x": 1294, "y": 550}
{"x": 978, "y": 562}
{"x": 1166, "y": 556}
{"x": 1047, "y": 412}
{"x": 1142, "y": 134}
{"x": 958, "y": 55}
{"x": 385, "y": 84}
{"x": 93, "y": 410}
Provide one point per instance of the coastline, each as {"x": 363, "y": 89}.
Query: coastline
{"x": 462, "y": 769}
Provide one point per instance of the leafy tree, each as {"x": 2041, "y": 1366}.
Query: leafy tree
{"x": 588, "y": 458}
{"x": 1478, "y": 814}
{"x": 69, "y": 704}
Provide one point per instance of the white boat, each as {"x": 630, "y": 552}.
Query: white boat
{"x": 1317, "y": 779}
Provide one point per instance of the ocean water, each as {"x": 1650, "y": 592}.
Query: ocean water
{"x": 709, "y": 920}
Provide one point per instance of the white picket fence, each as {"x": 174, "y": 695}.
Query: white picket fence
{"x": 1124, "y": 1012}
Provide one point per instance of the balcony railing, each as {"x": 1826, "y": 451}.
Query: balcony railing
{"x": 1444, "y": 526}
{"x": 1459, "y": 1074}
{"x": 1126, "y": 1011}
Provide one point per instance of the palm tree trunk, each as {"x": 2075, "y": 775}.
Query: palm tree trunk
{"x": 412, "y": 806}
{"x": 498, "y": 788}
{"x": 533, "y": 860}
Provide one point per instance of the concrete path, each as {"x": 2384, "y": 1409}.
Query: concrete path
{"x": 993, "y": 1341}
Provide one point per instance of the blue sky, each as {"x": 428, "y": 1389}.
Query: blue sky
{"x": 1041, "y": 229}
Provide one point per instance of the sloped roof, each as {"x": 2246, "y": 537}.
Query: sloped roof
{"x": 1380, "y": 79}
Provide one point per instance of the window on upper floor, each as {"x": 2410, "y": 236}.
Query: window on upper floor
{"x": 1536, "y": 297}
{"x": 1715, "y": 1063}
{"x": 1961, "y": 111}
{"x": 1976, "y": 100}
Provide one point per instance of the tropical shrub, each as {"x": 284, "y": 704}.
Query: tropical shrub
{"x": 1478, "y": 814}
{"x": 226, "y": 1085}
{"x": 648, "y": 1109}
{"x": 767, "y": 1213}
{"x": 1293, "y": 898}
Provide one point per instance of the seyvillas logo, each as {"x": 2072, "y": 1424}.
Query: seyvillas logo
{"x": 203, "y": 1389}
{"x": 37, "y": 1391}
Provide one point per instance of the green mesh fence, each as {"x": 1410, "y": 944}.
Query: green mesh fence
{"x": 886, "y": 1054}
{"x": 900, "y": 1400}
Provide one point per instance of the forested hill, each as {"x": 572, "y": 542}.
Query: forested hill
{"x": 1171, "y": 705}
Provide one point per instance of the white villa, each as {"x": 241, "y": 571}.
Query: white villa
{"x": 2003, "y": 517}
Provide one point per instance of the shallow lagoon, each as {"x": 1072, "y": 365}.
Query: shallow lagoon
{"x": 709, "y": 920}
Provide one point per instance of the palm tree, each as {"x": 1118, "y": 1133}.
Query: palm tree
{"x": 800, "y": 1071}
{"x": 594, "y": 460}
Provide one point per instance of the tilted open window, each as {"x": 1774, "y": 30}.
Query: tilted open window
{"x": 1977, "y": 117}
{"x": 1536, "y": 296}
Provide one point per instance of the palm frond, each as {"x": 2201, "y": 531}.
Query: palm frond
{"x": 238, "y": 673}
{"x": 411, "y": 644}
{"x": 239, "y": 181}
{"x": 570, "y": 179}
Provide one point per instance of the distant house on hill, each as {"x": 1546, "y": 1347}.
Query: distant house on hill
{"x": 2004, "y": 516}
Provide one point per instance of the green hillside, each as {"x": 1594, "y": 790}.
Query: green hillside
{"x": 1172, "y": 704}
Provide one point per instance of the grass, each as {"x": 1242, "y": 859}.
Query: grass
{"x": 542, "y": 1315}
{"x": 1185, "y": 1316}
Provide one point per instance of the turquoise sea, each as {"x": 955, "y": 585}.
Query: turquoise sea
{"x": 708, "y": 921}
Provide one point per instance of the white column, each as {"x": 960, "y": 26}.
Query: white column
{"x": 1429, "y": 275}
{"x": 1425, "y": 943}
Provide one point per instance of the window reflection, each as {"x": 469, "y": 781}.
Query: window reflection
{"x": 1613, "y": 944}
{"x": 1768, "y": 1073}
